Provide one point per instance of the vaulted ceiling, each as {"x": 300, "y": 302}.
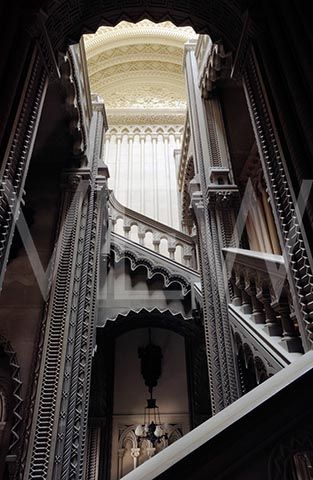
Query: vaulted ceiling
{"x": 138, "y": 66}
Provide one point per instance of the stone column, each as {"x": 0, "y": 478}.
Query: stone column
{"x": 58, "y": 435}
{"x": 155, "y": 176}
{"x": 118, "y": 163}
{"x": 213, "y": 205}
{"x": 142, "y": 174}
{"x": 168, "y": 180}
{"x": 135, "y": 452}
{"x": 156, "y": 244}
{"x": 130, "y": 171}
{"x": 120, "y": 456}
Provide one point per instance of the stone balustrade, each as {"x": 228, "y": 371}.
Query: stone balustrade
{"x": 260, "y": 290}
{"x": 152, "y": 234}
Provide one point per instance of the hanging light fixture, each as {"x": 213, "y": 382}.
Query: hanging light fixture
{"x": 152, "y": 429}
{"x": 151, "y": 368}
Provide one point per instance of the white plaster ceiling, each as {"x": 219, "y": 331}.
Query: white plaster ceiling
{"x": 138, "y": 66}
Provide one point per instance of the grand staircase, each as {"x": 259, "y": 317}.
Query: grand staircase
{"x": 260, "y": 436}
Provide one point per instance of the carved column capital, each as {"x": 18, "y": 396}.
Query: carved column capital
{"x": 135, "y": 452}
{"x": 121, "y": 452}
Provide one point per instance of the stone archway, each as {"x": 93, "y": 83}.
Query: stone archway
{"x": 101, "y": 405}
{"x": 66, "y": 22}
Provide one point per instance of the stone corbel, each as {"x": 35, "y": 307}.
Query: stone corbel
{"x": 218, "y": 67}
{"x": 198, "y": 206}
{"x": 74, "y": 109}
{"x": 76, "y": 178}
{"x": 222, "y": 198}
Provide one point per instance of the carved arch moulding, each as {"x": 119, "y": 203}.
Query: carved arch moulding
{"x": 169, "y": 277}
{"x": 67, "y": 21}
{"x": 153, "y": 317}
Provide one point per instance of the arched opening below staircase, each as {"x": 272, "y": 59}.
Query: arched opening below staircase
{"x": 119, "y": 394}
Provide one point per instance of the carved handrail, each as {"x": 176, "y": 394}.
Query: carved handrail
{"x": 159, "y": 231}
{"x": 261, "y": 291}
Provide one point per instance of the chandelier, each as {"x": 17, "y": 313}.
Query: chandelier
{"x": 151, "y": 367}
{"x": 152, "y": 429}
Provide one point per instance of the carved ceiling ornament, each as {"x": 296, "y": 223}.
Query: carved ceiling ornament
{"x": 137, "y": 52}
{"x": 119, "y": 118}
{"x": 133, "y": 32}
{"x": 142, "y": 130}
{"x": 154, "y": 96}
{"x": 138, "y": 66}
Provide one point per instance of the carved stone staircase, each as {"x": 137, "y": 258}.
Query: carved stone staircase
{"x": 255, "y": 438}
{"x": 152, "y": 234}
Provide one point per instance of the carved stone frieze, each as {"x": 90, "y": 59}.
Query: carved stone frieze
{"x": 163, "y": 128}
